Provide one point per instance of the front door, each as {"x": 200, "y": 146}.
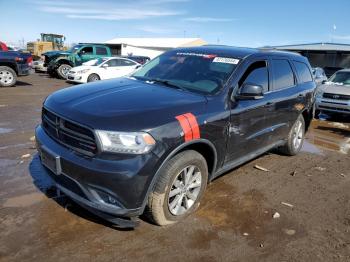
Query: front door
{"x": 86, "y": 54}
{"x": 248, "y": 127}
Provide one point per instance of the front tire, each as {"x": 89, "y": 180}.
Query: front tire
{"x": 8, "y": 76}
{"x": 93, "y": 78}
{"x": 179, "y": 188}
{"x": 295, "y": 138}
{"x": 62, "y": 71}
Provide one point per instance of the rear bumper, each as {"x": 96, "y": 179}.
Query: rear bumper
{"x": 117, "y": 187}
{"x": 332, "y": 105}
{"x": 23, "y": 69}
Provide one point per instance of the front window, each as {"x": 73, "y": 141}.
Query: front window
{"x": 196, "y": 72}
{"x": 342, "y": 78}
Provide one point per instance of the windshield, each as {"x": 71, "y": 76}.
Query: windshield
{"x": 75, "y": 48}
{"x": 342, "y": 78}
{"x": 201, "y": 73}
{"x": 95, "y": 62}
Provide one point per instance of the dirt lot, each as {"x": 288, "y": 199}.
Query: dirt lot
{"x": 234, "y": 223}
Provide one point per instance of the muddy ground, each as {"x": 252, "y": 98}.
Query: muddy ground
{"x": 234, "y": 223}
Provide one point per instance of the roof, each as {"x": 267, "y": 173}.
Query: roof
{"x": 315, "y": 47}
{"x": 237, "y": 52}
{"x": 158, "y": 42}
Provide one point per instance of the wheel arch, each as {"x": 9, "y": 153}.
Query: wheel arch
{"x": 13, "y": 66}
{"x": 308, "y": 116}
{"x": 199, "y": 145}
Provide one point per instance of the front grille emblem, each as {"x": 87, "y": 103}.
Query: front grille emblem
{"x": 336, "y": 96}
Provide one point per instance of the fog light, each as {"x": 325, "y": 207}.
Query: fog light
{"x": 104, "y": 197}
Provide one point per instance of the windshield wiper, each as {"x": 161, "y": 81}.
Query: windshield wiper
{"x": 166, "y": 83}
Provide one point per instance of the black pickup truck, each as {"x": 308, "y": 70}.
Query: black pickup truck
{"x": 13, "y": 64}
{"x": 153, "y": 140}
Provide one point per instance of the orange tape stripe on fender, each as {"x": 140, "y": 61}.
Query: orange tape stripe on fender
{"x": 186, "y": 128}
{"x": 189, "y": 126}
{"x": 194, "y": 125}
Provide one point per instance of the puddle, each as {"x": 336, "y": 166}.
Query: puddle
{"x": 311, "y": 148}
{"x": 328, "y": 135}
{"x": 7, "y": 162}
{"x": 5, "y": 130}
{"x": 16, "y": 146}
{"x": 24, "y": 200}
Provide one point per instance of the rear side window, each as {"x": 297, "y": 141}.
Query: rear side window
{"x": 113, "y": 62}
{"x": 258, "y": 74}
{"x": 101, "y": 50}
{"x": 303, "y": 72}
{"x": 282, "y": 72}
{"x": 124, "y": 62}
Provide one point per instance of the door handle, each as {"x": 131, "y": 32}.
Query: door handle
{"x": 269, "y": 104}
{"x": 301, "y": 95}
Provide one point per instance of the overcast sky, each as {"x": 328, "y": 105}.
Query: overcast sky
{"x": 250, "y": 23}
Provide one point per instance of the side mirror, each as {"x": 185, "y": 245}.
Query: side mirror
{"x": 105, "y": 65}
{"x": 250, "y": 91}
{"x": 138, "y": 66}
{"x": 324, "y": 81}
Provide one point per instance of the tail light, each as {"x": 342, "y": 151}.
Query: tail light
{"x": 30, "y": 61}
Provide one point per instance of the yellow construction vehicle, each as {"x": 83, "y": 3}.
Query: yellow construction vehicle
{"x": 47, "y": 42}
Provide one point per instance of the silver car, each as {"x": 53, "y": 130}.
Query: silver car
{"x": 334, "y": 95}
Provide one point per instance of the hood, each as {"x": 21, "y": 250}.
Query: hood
{"x": 56, "y": 53}
{"x": 335, "y": 89}
{"x": 123, "y": 104}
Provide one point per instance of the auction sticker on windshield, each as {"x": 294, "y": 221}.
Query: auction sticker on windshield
{"x": 226, "y": 60}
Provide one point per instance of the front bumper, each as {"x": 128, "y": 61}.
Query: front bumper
{"x": 116, "y": 185}
{"x": 75, "y": 78}
{"x": 333, "y": 105}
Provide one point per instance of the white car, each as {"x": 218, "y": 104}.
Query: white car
{"x": 102, "y": 68}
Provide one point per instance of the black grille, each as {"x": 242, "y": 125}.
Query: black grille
{"x": 69, "y": 134}
{"x": 336, "y": 96}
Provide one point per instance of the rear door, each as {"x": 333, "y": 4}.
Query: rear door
{"x": 248, "y": 127}
{"x": 284, "y": 98}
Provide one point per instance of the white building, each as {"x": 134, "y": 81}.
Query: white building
{"x": 151, "y": 47}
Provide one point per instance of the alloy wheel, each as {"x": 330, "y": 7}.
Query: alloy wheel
{"x": 184, "y": 190}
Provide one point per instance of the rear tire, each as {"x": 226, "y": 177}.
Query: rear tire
{"x": 178, "y": 189}
{"x": 295, "y": 138}
{"x": 8, "y": 76}
{"x": 62, "y": 71}
{"x": 93, "y": 78}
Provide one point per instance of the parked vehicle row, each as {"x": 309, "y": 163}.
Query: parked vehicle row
{"x": 13, "y": 64}
{"x": 59, "y": 63}
{"x": 101, "y": 69}
{"x": 153, "y": 140}
{"x": 333, "y": 96}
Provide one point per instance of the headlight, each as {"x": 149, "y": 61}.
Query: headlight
{"x": 83, "y": 71}
{"x": 128, "y": 143}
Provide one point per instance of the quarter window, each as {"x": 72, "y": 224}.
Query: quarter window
{"x": 304, "y": 72}
{"x": 258, "y": 74}
{"x": 283, "y": 76}
{"x": 101, "y": 50}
